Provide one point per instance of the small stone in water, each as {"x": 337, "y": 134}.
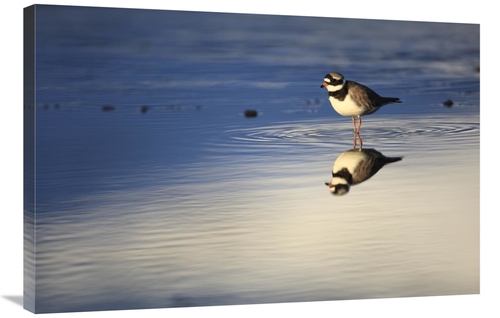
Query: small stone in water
{"x": 250, "y": 113}
{"x": 448, "y": 103}
{"x": 108, "y": 108}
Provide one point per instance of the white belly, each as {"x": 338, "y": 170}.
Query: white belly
{"x": 349, "y": 160}
{"x": 347, "y": 107}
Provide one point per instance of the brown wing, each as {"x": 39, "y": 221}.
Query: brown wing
{"x": 365, "y": 96}
{"x": 371, "y": 165}
{"x": 363, "y": 171}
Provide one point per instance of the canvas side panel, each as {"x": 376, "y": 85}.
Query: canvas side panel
{"x": 29, "y": 158}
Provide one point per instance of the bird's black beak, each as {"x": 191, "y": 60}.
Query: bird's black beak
{"x": 323, "y": 85}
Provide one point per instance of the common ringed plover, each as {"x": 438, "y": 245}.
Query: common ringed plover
{"x": 355, "y": 166}
{"x": 349, "y": 98}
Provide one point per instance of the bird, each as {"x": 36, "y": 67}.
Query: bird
{"x": 349, "y": 98}
{"x": 355, "y": 166}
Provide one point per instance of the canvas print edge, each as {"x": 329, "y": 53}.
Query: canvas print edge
{"x": 29, "y": 157}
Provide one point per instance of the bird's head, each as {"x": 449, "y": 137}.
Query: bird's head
{"x": 333, "y": 82}
{"x": 338, "y": 186}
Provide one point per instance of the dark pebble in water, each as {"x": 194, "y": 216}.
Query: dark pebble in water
{"x": 144, "y": 109}
{"x": 448, "y": 103}
{"x": 250, "y": 113}
{"x": 108, "y": 108}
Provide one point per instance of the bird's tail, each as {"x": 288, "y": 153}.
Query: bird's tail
{"x": 393, "y": 159}
{"x": 388, "y": 100}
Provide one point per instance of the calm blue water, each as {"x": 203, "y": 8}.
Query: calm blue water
{"x": 191, "y": 203}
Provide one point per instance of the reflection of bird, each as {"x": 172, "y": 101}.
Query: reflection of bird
{"x": 355, "y": 166}
{"x": 353, "y": 99}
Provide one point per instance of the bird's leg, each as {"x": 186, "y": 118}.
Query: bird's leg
{"x": 355, "y": 141}
{"x": 359, "y": 124}
{"x": 356, "y": 133}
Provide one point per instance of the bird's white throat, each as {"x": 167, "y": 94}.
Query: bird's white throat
{"x": 338, "y": 180}
{"x": 334, "y": 88}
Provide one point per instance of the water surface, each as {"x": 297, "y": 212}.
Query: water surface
{"x": 188, "y": 203}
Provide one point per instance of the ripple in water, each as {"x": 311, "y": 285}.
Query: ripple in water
{"x": 415, "y": 131}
